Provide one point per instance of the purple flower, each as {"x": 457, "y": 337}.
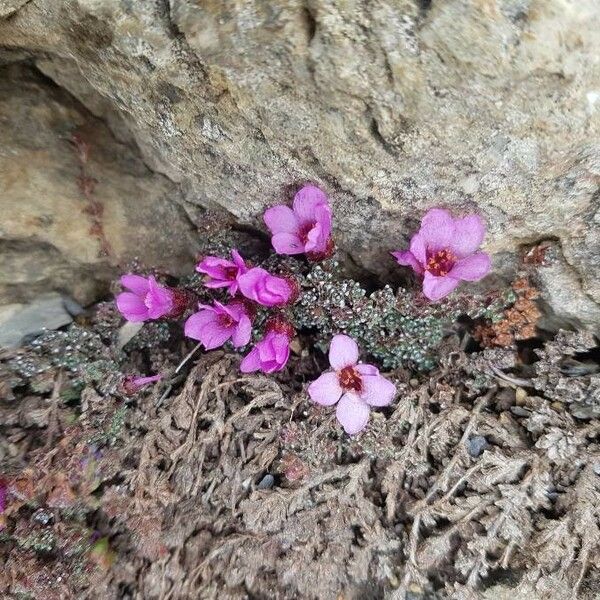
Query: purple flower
{"x": 149, "y": 300}
{"x": 223, "y": 273}
{"x": 269, "y": 355}
{"x": 266, "y": 289}
{"x": 444, "y": 251}
{"x": 354, "y": 386}
{"x": 214, "y": 325}
{"x": 132, "y": 385}
{"x": 306, "y": 228}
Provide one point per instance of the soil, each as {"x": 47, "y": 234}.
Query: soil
{"x": 478, "y": 482}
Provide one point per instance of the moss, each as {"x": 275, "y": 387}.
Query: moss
{"x": 397, "y": 328}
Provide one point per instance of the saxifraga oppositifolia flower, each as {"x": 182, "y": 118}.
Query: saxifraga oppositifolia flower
{"x": 266, "y": 289}
{"x": 445, "y": 252}
{"x": 214, "y": 325}
{"x": 223, "y": 273}
{"x": 305, "y": 228}
{"x": 147, "y": 299}
{"x": 272, "y": 352}
{"x": 132, "y": 384}
{"x": 354, "y": 386}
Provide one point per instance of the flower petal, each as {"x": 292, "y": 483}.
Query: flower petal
{"x": 217, "y": 283}
{"x": 468, "y": 235}
{"x": 242, "y": 333}
{"x": 276, "y": 290}
{"x": 323, "y": 218}
{"x": 287, "y": 243}
{"x": 159, "y": 300}
{"x": 235, "y": 310}
{"x": 146, "y": 380}
{"x": 314, "y": 241}
{"x": 132, "y": 307}
{"x": 280, "y": 348}
{"x": 377, "y": 390}
{"x": 239, "y": 262}
{"x": 306, "y": 201}
{"x": 436, "y": 288}
{"x": 251, "y": 361}
{"x": 251, "y": 282}
{"x": 418, "y": 249}
{"x": 326, "y": 390}
{"x": 204, "y": 326}
{"x": 214, "y": 266}
{"x": 343, "y": 352}
{"x": 213, "y": 335}
{"x": 262, "y": 287}
{"x": 135, "y": 283}
{"x": 437, "y": 229}
{"x": 352, "y": 413}
{"x": 196, "y": 322}
{"x": 407, "y": 259}
{"x": 365, "y": 369}
{"x": 281, "y": 219}
{"x": 472, "y": 268}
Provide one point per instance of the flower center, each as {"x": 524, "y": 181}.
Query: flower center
{"x": 350, "y": 379}
{"x": 440, "y": 263}
{"x": 305, "y": 230}
{"x": 225, "y": 320}
{"x": 231, "y": 272}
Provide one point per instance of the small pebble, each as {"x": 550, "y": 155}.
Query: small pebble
{"x": 519, "y": 411}
{"x": 42, "y": 516}
{"x": 476, "y": 445}
{"x": 267, "y": 482}
{"x": 520, "y": 396}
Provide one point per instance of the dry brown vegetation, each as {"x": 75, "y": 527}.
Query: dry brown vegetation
{"x": 472, "y": 485}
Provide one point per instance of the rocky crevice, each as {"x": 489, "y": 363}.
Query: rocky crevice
{"x": 236, "y": 105}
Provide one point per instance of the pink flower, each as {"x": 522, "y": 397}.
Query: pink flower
{"x": 269, "y": 355}
{"x": 214, "y": 325}
{"x": 132, "y": 384}
{"x": 266, "y": 289}
{"x": 444, "y": 251}
{"x": 272, "y": 352}
{"x": 149, "y": 300}
{"x": 222, "y": 272}
{"x": 354, "y": 386}
{"x": 306, "y": 228}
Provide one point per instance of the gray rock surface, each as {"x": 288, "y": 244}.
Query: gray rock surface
{"x": 19, "y": 321}
{"x": 393, "y": 106}
{"x": 51, "y": 235}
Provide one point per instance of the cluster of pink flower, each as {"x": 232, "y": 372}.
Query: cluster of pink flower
{"x": 444, "y": 251}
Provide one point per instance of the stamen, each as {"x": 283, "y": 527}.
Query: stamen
{"x": 441, "y": 263}
{"x": 350, "y": 379}
{"x": 225, "y": 320}
{"x": 231, "y": 272}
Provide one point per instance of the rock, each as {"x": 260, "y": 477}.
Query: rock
{"x": 46, "y": 312}
{"x": 476, "y": 445}
{"x": 266, "y": 483}
{"x": 53, "y": 236}
{"x": 392, "y": 106}
{"x": 560, "y": 287}
{"x": 127, "y": 332}
{"x": 8, "y": 7}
